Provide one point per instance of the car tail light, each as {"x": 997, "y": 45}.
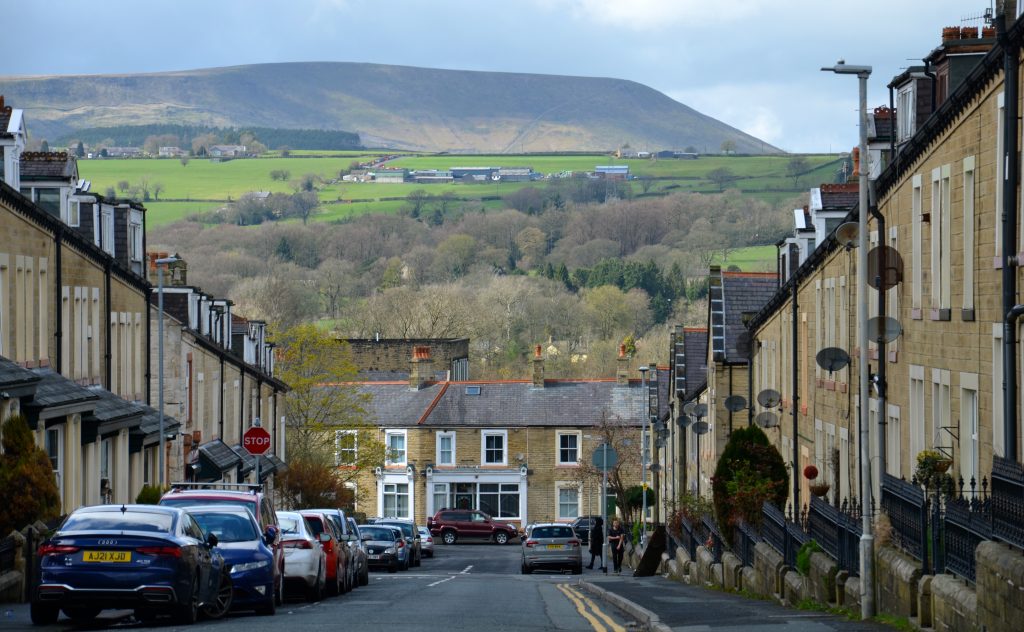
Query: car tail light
{"x": 171, "y": 551}
{"x": 531, "y": 543}
{"x": 56, "y": 549}
{"x": 401, "y": 543}
{"x": 297, "y": 544}
{"x": 573, "y": 542}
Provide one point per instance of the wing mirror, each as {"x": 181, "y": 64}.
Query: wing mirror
{"x": 270, "y": 535}
{"x": 325, "y": 537}
{"x": 211, "y": 540}
{"x": 367, "y": 538}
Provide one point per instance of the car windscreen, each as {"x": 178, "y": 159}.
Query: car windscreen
{"x": 290, "y": 525}
{"x": 185, "y": 501}
{"x": 228, "y": 527}
{"x": 115, "y": 520}
{"x": 315, "y": 525}
{"x": 377, "y": 533}
{"x": 404, "y": 526}
{"x": 552, "y": 532}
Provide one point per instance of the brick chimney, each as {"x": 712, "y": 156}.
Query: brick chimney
{"x": 622, "y": 368}
{"x": 421, "y": 369}
{"x": 175, "y": 274}
{"x": 538, "y": 368}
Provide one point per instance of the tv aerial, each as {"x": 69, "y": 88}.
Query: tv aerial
{"x": 769, "y": 398}
{"x": 847, "y": 235}
{"x": 832, "y": 359}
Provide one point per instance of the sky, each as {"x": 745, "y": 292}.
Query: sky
{"x": 753, "y": 64}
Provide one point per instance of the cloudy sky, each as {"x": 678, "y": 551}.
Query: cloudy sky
{"x": 753, "y": 64}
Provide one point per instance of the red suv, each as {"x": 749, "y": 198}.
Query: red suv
{"x": 452, "y": 525}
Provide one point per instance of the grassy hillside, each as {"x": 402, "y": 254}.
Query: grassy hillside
{"x": 388, "y": 106}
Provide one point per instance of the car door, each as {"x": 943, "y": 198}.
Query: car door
{"x": 204, "y": 558}
{"x": 480, "y": 525}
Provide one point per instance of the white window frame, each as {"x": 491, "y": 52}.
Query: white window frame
{"x": 397, "y": 494}
{"x": 338, "y": 450}
{"x": 916, "y": 272}
{"x": 55, "y": 439}
{"x": 558, "y": 446}
{"x": 998, "y": 420}
{"x": 941, "y": 404}
{"x": 905, "y": 111}
{"x": 390, "y": 453}
{"x": 970, "y": 454}
{"x": 135, "y": 241}
{"x": 969, "y": 191}
{"x": 435, "y": 492}
{"x": 567, "y": 486}
{"x": 917, "y": 439}
{"x": 893, "y": 442}
{"x": 998, "y": 183}
{"x": 483, "y": 446}
{"x": 439, "y": 459}
{"x": 74, "y": 213}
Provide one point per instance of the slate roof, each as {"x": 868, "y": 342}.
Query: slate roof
{"x": 111, "y": 409}
{"x": 48, "y": 165}
{"x": 839, "y": 197}
{"x": 149, "y": 427}
{"x": 11, "y": 374}
{"x": 248, "y": 463}
{"x": 695, "y": 346}
{"x": 744, "y": 292}
{"x": 504, "y": 403}
{"x": 218, "y": 454}
{"x": 54, "y": 390}
{"x": 279, "y": 465}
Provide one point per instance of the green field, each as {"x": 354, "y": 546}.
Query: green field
{"x": 202, "y": 185}
{"x": 750, "y": 259}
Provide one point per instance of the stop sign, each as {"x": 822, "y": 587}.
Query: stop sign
{"x": 256, "y": 441}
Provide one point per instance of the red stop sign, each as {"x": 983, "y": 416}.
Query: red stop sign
{"x": 256, "y": 441}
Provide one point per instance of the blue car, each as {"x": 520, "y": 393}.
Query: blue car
{"x": 246, "y": 552}
{"x": 155, "y": 560}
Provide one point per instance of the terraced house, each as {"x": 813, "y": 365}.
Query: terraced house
{"x": 511, "y": 448}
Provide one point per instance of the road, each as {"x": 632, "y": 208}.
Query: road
{"x": 467, "y": 587}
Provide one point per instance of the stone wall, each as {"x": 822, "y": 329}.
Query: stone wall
{"x": 896, "y": 576}
{"x": 955, "y": 607}
{"x": 1000, "y": 590}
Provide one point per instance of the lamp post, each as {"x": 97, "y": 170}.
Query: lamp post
{"x": 867, "y": 562}
{"x": 160, "y": 359}
{"x": 643, "y": 454}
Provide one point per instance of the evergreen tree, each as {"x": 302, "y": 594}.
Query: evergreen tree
{"x": 749, "y": 472}
{"x": 80, "y": 150}
{"x": 28, "y": 491}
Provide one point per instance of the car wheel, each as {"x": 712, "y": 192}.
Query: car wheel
{"x": 270, "y": 607}
{"x": 419, "y": 560}
{"x": 526, "y": 570}
{"x": 222, "y": 602}
{"x": 501, "y": 537}
{"x": 393, "y": 568}
{"x": 43, "y": 615}
{"x": 188, "y": 612}
{"x": 82, "y": 614}
{"x": 316, "y": 591}
{"x": 364, "y": 579}
{"x": 335, "y": 588}
{"x": 449, "y": 537}
{"x": 430, "y": 554}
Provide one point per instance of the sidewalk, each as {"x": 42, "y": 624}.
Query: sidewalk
{"x": 664, "y": 604}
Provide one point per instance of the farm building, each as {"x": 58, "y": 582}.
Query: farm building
{"x": 612, "y": 172}
{"x": 482, "y": 172}
{"x": 515, "y": 174}
{"x": 388, "y": 175}
{"x": 431, "y": 176}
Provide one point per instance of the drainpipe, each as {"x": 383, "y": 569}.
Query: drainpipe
{"x": 730, "y": 395}
{"x": 149, "y": 342}
{"x": 796, "y": 408}
{"x": 883, "y": 360}
{"x": 58, "y": 305}
{"x": 223, "y": 390}
{"x": 1011, "y": 89}
{"x": 108, "y": 376}
{"x": 750, "y": 384}
{"x": 893, "y": 127}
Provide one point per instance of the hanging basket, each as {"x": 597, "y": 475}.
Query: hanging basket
{"x": 820, "y": 489}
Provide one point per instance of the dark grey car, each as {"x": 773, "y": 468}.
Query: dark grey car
{"x": 553, "y": 546}
{"x": 412, "y": 537}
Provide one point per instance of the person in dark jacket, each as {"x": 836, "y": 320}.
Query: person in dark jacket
{"x": 597, "y": 543}
{"x": 616, "y": 542}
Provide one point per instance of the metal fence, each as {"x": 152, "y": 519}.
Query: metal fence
{"x": 1008, "y": 501}
{"x": 744, "y": 538}
{"x": 966, "y": 524}
{"x": 837, "y": 530}
{"x": 8, "y": 554}
{"x": 907, "y": 508}
{"x": 784, "y": 536}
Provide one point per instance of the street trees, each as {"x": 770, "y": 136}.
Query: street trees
{"x": 624, "y": 436}
{"x": 27, "y": 488}
{"x": 330, "y": 437}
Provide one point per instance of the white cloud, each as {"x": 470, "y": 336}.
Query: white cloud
{"x": 643, "y": 15}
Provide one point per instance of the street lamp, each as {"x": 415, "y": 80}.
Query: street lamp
{"x": 867, "y": 562}
{"x": 643, "y": 453}
{"x": 160, "y": 355}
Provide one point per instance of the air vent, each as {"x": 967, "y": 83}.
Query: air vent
{"x": 472, "y": 390}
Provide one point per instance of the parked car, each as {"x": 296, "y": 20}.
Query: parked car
{"x": 358, "y": 548}
{"x": 305, "y": 561}
{"x": 582, "y": 527}
{"x": 250, "y": 496}
{"x": 452, "y": 525}
{"x": 426, "y": 541}
{"x": 339, "y": 575}
{"x": 412, "y": 537}
{"x": 357, "y": 556}
{"x": 247, "y": 553}
{"x": 383, "y": 546}
{"x": 156, "y": 560}
{"x": 554, "y": 546}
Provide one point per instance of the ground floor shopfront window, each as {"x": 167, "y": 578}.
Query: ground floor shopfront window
{"x": 499, "y": 500}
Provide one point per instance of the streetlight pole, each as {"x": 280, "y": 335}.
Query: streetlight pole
{"x": 160, "y": 359}
{"x": 604, "y": 504}
{"x": 867, "y": 561}
{"x": 643, "y": 455}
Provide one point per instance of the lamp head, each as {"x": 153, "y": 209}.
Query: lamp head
{"x": 842, "y": 68}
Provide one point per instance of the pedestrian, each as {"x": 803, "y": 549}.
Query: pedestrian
{"x": 617, "y": 542}
{"x": 597, "y": 544}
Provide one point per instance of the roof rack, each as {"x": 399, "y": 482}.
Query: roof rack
{"x": 185, "y": 485}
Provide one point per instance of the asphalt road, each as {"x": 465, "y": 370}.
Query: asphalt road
{"x": 467, "y": 587}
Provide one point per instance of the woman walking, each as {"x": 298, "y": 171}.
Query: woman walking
{"x": 617, "y": 543}
{"x": 597, "y": 544}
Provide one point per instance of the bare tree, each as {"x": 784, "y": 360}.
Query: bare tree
{"x": 721, "y": 176}
{"x": 795, "y": 168}
{"x": 623, "y": 435}
{"x": 158, "y": 188}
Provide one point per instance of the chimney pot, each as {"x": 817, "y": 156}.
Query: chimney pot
{"x": 536, "y": 352}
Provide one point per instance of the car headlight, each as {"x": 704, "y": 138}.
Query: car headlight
{"x": 390, "y": 550}
{"x": 248, "y": 566}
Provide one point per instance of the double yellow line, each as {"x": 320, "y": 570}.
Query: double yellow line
{"x": 597, "y": 619}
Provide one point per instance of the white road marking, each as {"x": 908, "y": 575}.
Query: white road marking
{"x": 441, "y": 581}
{"x": 465, "y": 570}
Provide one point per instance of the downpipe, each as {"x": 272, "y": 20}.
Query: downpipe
{"x": 1011, "y": 90}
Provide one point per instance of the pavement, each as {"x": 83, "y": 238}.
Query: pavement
{"x": 663, "y": 604}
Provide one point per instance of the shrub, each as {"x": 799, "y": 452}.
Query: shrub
{"x": 150, "y": 495}
{"x": 28, "y": 491}
{"x": 749, "y": 472}
{"x": 803, "y": 557}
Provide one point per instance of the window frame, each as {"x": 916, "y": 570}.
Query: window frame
{"x": 389, "y": 453}
{"x": 484, "y": 435}
{"x": 438, "y": 452}
{"x": 57, "y": 458}
{"x": 561, "y": 486}
{"x": 559, "y": 435}
{"x": 338, "y": 450}
{"x": 384, "y": 493}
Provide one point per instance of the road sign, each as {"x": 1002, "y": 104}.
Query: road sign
{"x": 256, "y": 441}
{"x": 605, "y": 457}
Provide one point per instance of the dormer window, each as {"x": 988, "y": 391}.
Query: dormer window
{"x": 905, "y": 112}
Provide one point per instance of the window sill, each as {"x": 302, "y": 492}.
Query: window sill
{"x": 997, "y": 263}
{"x": 940, "y": 314}
{"x": 967, "y": 315}
{"x": 915, "y": 313}
{"x": 567, "y": 466}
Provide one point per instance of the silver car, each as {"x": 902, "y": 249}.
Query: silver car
{"x": 305, "y": 564}
{"x": 553, "y": 546}
{"x": 426, "y": 542}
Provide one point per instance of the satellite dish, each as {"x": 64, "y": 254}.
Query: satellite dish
{"x": 743, "y": 344}
{"x": 885, "y": 268}
{"x": 847, "y": 235}
{"x": 832, "y": 359}
{"x": 884, "y": 329}
{"x": 735, "y": 403}
{"x": 684, "y": 421}
{"x": 769, "y": 398}
{"x": 701, "y": 427}
{"x": 655, "y": 467}
{"x": 767, "y": 419}
{"x": 690, "y": 407}
{"x": 701, "y": 410}
{"x": 659, "y": 443}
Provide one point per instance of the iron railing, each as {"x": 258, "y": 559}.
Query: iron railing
{"x": 1008, "y": 501}
{"x": 907, "y": 508}
{"x": 744, "y": 538}
{"x": 837, "y": 531}
{"x": 713, "y": 537}
{"x": 8, "y": 554}
{"x": 784, "y": 536}
{"x": 967, "y": 523}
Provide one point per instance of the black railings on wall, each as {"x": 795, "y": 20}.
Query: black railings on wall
{"x": 784, "y": 536}
{"x": 837, "y": 531}
{"x": 907, "y": 508}
{"x": 714, "y": 539}
{"x": 745, "y": 538}
{"x": 1007, "y": 502}
{"x": 8, "y": 554}
{"x": 688, "y": 537}
{"x": 967, "y": 523}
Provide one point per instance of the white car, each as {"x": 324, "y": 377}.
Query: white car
{"x": 305, "y": 563}
{"x": 426, "y": 542}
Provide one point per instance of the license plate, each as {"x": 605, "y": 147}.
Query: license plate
{"x": 373, "y": 557}
{"x": 554, "y": 546}
{"x": 107, "y": 556}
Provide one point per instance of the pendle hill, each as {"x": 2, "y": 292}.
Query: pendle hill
{"x": 397, "y": 107}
